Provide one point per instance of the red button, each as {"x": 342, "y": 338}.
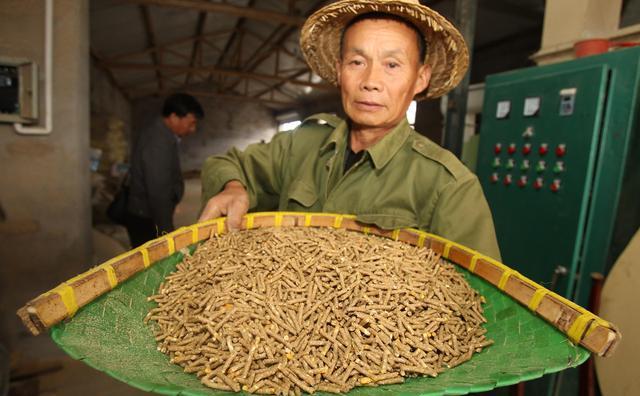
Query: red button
{"x": 526, "y": 149}
{"x": 497, "y": 148}
{"x": 555, "y": 186}
{"x": 544, "y": 149}
{"x": 494, "y": 178}
{"x": 512, "y": 148}
{"x": 538, "y": 183}
{"x": 507, "y": 180}
{"x": 561, "y": 150}
{"x": 522, "y": 182}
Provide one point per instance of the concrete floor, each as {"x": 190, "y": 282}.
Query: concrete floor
{"x": 72, "y": 377}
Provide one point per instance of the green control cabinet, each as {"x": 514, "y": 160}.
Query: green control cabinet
{"x": 559, "y": 164}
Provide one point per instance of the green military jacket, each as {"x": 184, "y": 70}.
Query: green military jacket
{"x": 404, "y": 180}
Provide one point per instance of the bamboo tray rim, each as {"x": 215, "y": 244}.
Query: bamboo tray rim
{"x": 578, "y": 324}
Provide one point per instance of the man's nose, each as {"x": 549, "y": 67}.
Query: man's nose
{"x": 372, "y": 78}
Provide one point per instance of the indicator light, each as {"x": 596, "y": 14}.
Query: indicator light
{"x": 543, "y": 149}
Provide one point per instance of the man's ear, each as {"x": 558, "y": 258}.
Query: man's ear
{"x": 424, "y": 76}
{"x": 338, "y": 71}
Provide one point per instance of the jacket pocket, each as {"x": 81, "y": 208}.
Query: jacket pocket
{"x": 302, "y": 194}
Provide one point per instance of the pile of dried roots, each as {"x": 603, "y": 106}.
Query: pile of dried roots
{"x": 282, "y": 311}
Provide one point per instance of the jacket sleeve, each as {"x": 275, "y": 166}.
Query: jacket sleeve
{"x": 259, "y": 168}
{"x": 462, "y": 215}
{"x": 158, "y": 163}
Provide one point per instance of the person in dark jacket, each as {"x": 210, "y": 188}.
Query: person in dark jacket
{"x": 156, "y": 185}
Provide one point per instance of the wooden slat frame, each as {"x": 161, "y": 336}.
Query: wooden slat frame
{"x": 581, "y": 326}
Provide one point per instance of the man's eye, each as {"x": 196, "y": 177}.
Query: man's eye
{"x": 355, "y": 62}
{"x": 393, "y": 65}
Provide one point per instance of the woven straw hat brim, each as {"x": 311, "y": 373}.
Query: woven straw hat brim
{"x": 447, "y": 52}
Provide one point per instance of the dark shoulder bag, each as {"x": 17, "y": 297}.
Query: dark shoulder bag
{"x": 117, "y": 209}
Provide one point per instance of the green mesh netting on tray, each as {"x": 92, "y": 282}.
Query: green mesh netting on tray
{"x": 109, "y": 335}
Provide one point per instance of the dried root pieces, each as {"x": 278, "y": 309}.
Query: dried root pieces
{"x": 292, "y": 310}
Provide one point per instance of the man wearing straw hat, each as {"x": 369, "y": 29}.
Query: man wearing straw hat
{"x": 382, "y": 55}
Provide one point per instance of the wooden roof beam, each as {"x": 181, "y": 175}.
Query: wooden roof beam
{"x": 213, "y": 70}
{"x": 255, "y": 62}
{"x": 281, "y": 83}
{"x": 210, "y": 94}
{"x": 239, "y": 26}
{"x": 197, "y": 45}
{"x": 223, "y": 8}
{"x": 112, "y": 79}
{"x": 151, "y": 42}
{"x": 160, "y": 48}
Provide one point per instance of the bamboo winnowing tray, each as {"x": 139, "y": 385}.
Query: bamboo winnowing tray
{"x": 109, "y": 333}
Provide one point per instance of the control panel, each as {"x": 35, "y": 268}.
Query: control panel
{"x": 558, "y": 160}
{"x": 528, "y": 164}
{"x": 536, "y": 161}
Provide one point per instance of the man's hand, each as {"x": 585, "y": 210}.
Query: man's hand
{"x": 233, "y": 202}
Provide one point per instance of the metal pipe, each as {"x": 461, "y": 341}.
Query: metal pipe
{"x": 48, "y": 77}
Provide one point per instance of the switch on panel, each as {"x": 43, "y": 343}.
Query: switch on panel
{"x": 558, "y": 167}
{"x": 538, "y": 183}
{"x": 528, "y": 132}
{"x": 543, "y": 149}
{"x": 522, "y": 182}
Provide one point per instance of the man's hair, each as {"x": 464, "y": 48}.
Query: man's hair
{"x": 182, "y": 104}
{"x": 422, "y": 45}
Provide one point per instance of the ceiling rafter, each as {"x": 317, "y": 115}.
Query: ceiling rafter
{"x": 160, "y": 48}
{"x": 259, "y": 55}
{"x": 279, "y": 43}
{"x": 224, "y": 8}
{"x": 239, "y": 26}
{"x": 210, "y": 94}
{"x": 222, "y": 72}
{"x": 97, "y": 59}
{"x": 234, "y": 65}
{"x": 176, "y": 53}
{"x": 281, "y": 83}
{"x": 197, "y": 45}
{"x": 151, "y": 42}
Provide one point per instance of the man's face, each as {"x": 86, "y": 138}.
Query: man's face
{"x": 379, "y": 72}
{"x": 182, "y": 126}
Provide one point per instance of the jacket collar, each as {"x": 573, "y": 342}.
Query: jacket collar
{"x": 381, "y": 152}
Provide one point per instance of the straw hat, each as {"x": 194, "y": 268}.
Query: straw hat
{"x": 446, "y": 53}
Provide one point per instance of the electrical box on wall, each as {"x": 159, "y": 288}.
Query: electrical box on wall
{"x": 18, "y": 90}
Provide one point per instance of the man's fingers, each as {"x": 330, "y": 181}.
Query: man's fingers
{"x": 211, "y": 211}
{"x": 234, "y": 217}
